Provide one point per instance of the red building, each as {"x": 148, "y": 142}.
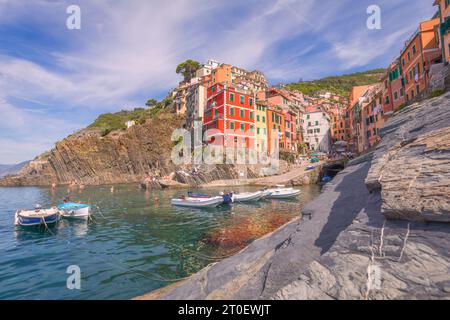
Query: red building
{"x": 232, "y": 113}
{"x": 290, "y": 131}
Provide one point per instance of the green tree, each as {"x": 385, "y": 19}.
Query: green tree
{"x": 151, "y": 102}
{"x": 188, "y": 69}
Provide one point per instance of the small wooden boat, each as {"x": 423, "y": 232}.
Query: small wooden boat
{"x": 71, "y": 210}
{"x": 197, "y": 202}
{"x": 248, "y": 196}
{"x": 282, "y": 193}
{"x": 36, "y": 217}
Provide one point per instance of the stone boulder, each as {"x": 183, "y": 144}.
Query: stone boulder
{"x": 411, "y": 166}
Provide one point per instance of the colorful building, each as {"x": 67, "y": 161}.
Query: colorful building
{"x": 444, "y": 28}
{"x": 317, "y": 131}
{"x": 420, "y": 52}
{"x": 232, "y": 113}
{"x": 275, "y": 128}
{"x": 290, "y": 131}
{"x": 261, "y": 127}
{"x": 396, "y": 83}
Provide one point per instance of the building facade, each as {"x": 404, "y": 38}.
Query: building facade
{"x": 231, "y": 113}
{"x": 420, "y": 52}
{"x": 317, "y": 132}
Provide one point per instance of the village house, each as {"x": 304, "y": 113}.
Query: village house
{"x": 396, "y": 83}
{"x": 317, "y": 131}
{"x": 420, "y": 52}
{"x": 275, "y": 128}
{"x": 232, "y": 113}
{"x": 444, "y": 28}
{"x": 261, "y": 127}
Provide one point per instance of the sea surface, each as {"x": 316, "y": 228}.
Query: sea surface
{"x": 137, "y": 241}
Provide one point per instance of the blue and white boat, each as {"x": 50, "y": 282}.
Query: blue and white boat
{"x": 72, "y": 210}
{"x": 36, "y": 217}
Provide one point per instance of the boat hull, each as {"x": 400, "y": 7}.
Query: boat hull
{"x": 36, "y": 218}
{"x": 75, "y": 211}
{"x": 197, "y": 202}
{"x": 283, "y": 194}
{"x": 249, "y": 197}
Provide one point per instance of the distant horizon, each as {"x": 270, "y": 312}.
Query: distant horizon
{"x": 59, "y": 80}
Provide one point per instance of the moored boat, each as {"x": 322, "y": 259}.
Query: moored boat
{"x": 36, "y": 217}
{"x": 197, "y": 202}
{"x": 282, "y": 193}
{"x": 248, "y": 196}
{"x": 71, "y": 210}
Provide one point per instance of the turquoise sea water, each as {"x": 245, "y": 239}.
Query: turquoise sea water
{"x": 137, "y": 243}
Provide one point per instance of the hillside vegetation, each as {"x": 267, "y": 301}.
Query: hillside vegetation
{"x": 340, "y": 85}
{"x": 108, "y": 122}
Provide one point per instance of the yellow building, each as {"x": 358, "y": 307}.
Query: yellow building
{"x": 261, "y": 127}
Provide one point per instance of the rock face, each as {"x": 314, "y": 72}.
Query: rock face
{"x": 348, "y": 249}
{"x": 120, "y": 157}
{"x": 411, "y": 166}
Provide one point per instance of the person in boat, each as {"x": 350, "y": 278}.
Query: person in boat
{"x": 66, "y": 199}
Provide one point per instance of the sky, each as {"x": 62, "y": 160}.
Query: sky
{"x": 55, "y": 81}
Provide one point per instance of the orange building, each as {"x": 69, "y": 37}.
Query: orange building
{"x": 222, "y": 74}
{"x": 444, "y": 27}
{"x": 396, "y": 84}
{"x": 420, "y": 52}
{"x": 275, "y": 126}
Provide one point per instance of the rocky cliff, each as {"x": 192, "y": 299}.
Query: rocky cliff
{"x": 89, "y": 157}
{"x": 343, "y": 246}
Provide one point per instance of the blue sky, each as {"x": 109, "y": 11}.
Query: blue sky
{"x": 54, "y": 81}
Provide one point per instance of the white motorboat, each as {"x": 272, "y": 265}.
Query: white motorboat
{"x": 248, "y": 196}
{"x": 197, "y": 202}
{"x": 281, "y": 192}
{"x": 71, "y": 210}
{"x": 36, "y": 217}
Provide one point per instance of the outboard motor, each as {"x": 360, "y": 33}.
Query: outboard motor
{"x": 227, "y": 198}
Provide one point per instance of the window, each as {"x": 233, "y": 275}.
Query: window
{"x": 232, "y": 125}
{"x": 402, "y": 92}
{"x": 265, "y": 131}
{"x": 418, "y": 89}
{"x": 403, "y": 62}
{"x": 317, "y": 123}
{"x": 409, "y": 56}
{"x": 242, "y": 99}
{"x": 231, "y": 111}
{"x": 242, "y": 126}
{"x": 251, "y": 115}
{"x": 414, "y": 50}
{"x": 412, "y": 94}
{"x": 264, "y": 119}
{"x": 213, "y": 89}
{"x": 258, "y": 131}
{"x": 258, "y": 118}
{"x": 216, "y": 113}
{"x": 250, "y": 101}
{"x": 242, "y": 113}
{"x": 231, "y": 97}
{"x": 309, "y": 124}
{"x": 252, "y": 128}
{"x": 395, "y": 95}
{"x": 387, "y": 99}
{"x": 308, "y": 117}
